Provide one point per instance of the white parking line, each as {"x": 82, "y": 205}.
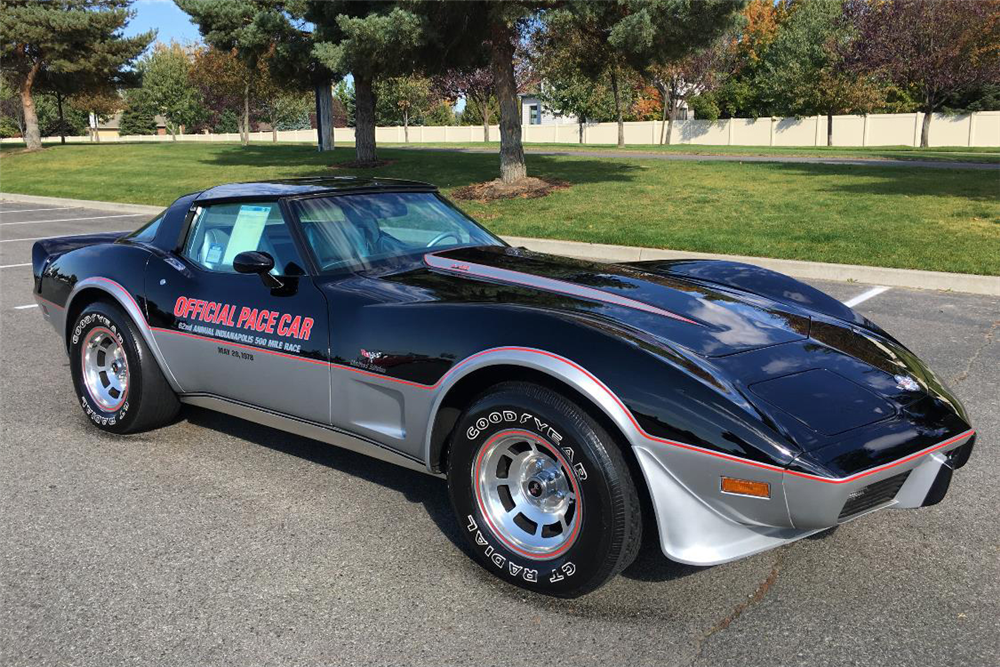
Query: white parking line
{"x": 33, "y": 238}
{"x": 42, "y": 238}
{"x": 30, "y": 305}
{"x": 864, "y": 296}
{"x": 99, "y": 217}
{"x": 36, "y": 210}
{"x": 14, "y": 266}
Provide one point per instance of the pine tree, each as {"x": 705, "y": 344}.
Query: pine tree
{"x": 81, "y": 39}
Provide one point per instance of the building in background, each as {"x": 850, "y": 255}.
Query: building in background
{"x": 535, "y": 112}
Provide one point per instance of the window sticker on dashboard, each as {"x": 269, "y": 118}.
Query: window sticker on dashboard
{"x": 246, "y": 232}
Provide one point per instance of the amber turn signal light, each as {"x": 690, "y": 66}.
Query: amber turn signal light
{"x": 746, "y": 487}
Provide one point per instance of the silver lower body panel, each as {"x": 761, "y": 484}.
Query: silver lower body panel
{"x": 312, "y": 430}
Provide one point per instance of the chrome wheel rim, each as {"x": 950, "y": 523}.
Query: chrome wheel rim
{"x": 527, "y": 494}
{"x": 105, "y": 369}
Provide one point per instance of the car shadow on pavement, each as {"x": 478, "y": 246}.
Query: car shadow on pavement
{"x": 415, "y": 487}
{"x": 650, "y": 565}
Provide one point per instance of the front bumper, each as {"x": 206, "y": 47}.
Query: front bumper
{"x": 813, "y": 504}
{"x": 700, "y": 525}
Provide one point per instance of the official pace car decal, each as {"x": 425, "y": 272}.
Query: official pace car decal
{"x": 257, "y": 320}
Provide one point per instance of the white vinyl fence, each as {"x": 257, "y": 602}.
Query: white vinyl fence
{"x": 980, "y": 129}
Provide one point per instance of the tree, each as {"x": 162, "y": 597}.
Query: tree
{"x": 572, "y": 94}
{"x": 938, "y": 48}
{"x": 563, "y": 87}
{"x": 75, "y": 38}
{"x": 72, "y": 121}
{"x": 505, "y": 23}
{"x": 249, "y": 30}
{"x": 440, "y": 113}
{"x": 611, "y": 40}
{"x": 804, "y": 69}
{"x": 11, "y": 111}
{"x": 166, "y": 78}
{"x": 343, "y": 94}
{"x": 372, "y": 41}
{"x": 403, "y": 98}
{"x": 221, "y": 80}
{"x": 99, "y": 106}
{"x": 680, "y": 80}
{"x": 280, "y": 106}
{"x": 139, "y": 115}
{"x": 740, "y": 93}
{"x": 476, "y": 86}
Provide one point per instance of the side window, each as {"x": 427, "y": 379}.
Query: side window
{"x": 147, "y": 232}
{"x": 218, "y": 233}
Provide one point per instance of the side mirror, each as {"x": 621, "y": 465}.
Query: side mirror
{"x": 257, "y": 262}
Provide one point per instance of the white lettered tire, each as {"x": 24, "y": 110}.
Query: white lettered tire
{"x": 543, "y": 495}
{"x": 118, "y": 383}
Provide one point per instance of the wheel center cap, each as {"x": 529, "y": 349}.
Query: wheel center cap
{"x": 535, "y": 488}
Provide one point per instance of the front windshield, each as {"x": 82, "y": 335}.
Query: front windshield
{"x": 386, "y": 230}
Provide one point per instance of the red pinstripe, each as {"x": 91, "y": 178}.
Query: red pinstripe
{"x": 589, "y": 375}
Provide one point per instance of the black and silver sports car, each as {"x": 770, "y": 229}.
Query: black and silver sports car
{"x": 736, "y": 409}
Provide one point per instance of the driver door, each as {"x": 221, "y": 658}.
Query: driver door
{"x": 227, "y": 334}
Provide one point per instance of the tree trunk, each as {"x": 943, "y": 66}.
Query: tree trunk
{"x": 925, "y": 131}
{"x": 486, "y": 121}
{"x": 173, "y": 132}
{"x": 97, "y": 129}
{"x": 664, "y": 109}
{"x": 364, "y": 124}
{"x": 274, "y": 134}
{"x": 670, "y": 121}
{"x": 829, "y": 129}
{"x": 581, "y": 130}
{"x": 324, "y": 116}
{"x": 32, "y": 137}
{"x": 618, "y": 107}
{"x": 406, "y": 126}
{"x": 663, "y": 122}
{"x": 62, "y": 121}
{"x": 246, "y": 113}
{"x": 512, "y": 166}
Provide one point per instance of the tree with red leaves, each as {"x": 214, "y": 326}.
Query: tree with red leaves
{"x": 475, "y": 86}
{"x": 937, "y": 48}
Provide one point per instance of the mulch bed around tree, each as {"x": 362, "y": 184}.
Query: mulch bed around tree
{"x": 354, "y": 164}
{"x": 525, "y": 188}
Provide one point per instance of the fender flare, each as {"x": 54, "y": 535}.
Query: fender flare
{"x": 126, "y": 302}
{"x": 549, "y": 363}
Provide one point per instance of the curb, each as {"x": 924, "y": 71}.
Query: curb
{"x": 81, "y": 203}
{"x": 874, "y": 275}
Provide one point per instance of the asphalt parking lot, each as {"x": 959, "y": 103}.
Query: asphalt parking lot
{"x": 215, "y": 541}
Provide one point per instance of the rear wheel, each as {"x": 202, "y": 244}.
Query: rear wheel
{"x": 118, "y": 383}
{"x": 542, "y": 491}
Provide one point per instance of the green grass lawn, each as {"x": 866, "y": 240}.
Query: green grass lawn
{"x": 943, "y": 154}
{"x": 937, "y": 219}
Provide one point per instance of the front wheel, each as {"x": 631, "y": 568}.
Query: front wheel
{"x": 542, "y": 492}
{"x": 118, "y": 383}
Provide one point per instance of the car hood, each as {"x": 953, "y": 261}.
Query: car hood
{"x": 709, "y": 320}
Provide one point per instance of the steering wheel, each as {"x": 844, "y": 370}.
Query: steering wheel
{"x": 441, "y": 237}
